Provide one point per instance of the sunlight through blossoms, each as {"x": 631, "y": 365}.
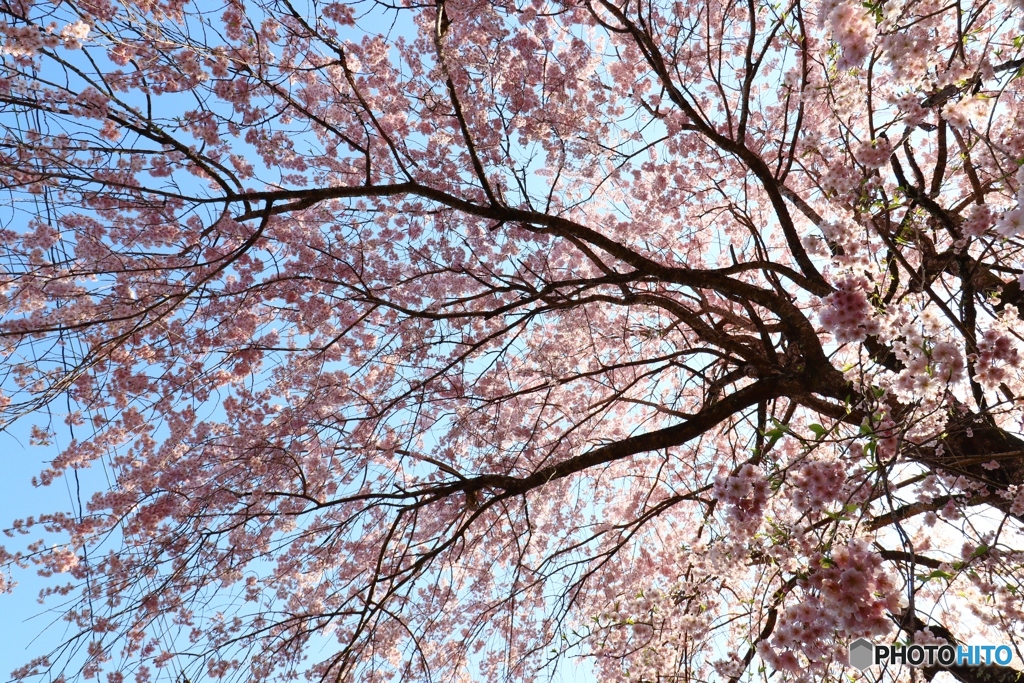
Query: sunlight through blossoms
{"x": 500, "y": 340}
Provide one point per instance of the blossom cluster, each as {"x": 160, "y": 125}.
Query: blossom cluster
{"x": 872, "y": 154}
{"x": 977, "y": 219}
{"x": 997, "y": 358}
{"x": 27, "y": 40}
{"x": 967, "y": 112}
{"x": 854, "y": 30}
{"x": 816, "y": 484}
{"x": 1016, "y": 495}
{"x": 746, "y": 493}
{"x": 843, "y": 232}
{"x": 1011, "y": 222}
{"x": 929, "y": 367}
{"x": 847, "y": 313}
{"x": 907, "y": 52}
{"x": 846, "y": 596}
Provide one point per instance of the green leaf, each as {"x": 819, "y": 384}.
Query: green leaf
{"x": 818, "y": 430}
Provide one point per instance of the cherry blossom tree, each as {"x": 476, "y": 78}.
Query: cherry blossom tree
{"x": 459, "y": 340}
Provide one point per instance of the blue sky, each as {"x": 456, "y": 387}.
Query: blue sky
{"x": 23, "y": 618}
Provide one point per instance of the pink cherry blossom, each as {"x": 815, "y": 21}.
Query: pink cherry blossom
{"x": 471, "y": 340}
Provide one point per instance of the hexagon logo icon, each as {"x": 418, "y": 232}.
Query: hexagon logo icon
{"x": 862, "y": 653}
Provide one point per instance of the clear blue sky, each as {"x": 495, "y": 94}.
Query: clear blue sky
{"x": 22, "y": 618}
